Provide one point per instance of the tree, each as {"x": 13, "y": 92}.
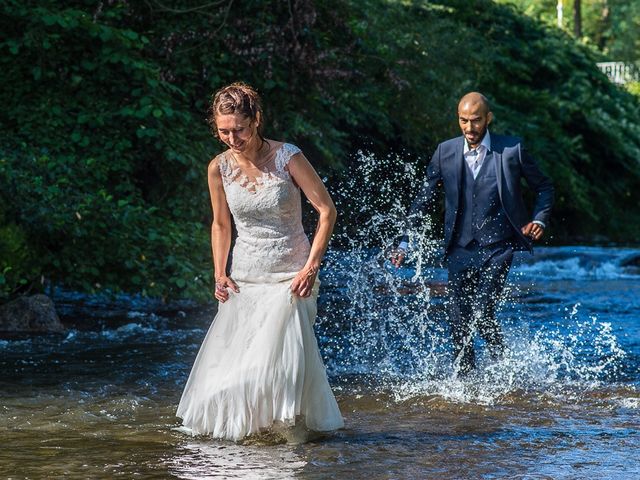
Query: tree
{"x": 611, "y": 26}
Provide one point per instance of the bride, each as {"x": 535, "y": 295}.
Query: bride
{"x": 259, "y": 365}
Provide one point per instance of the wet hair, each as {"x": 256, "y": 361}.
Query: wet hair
{"x": 235, "y": 98}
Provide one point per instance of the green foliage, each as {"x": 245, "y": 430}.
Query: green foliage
{"x": 621, "y": 32}
{"x": 611, "y": 26}
{"x": 100, "y": 166}
{"x": 104, "y": 144}
{"x": 18, "y": 265}
{"x": 633, "y": 88}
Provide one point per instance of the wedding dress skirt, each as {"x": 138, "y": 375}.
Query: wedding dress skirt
{"x": 259, "y": 364}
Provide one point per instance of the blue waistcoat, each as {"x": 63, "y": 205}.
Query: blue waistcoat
{"x": 481, "y": 216}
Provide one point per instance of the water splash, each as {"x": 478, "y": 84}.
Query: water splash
{"x": 368, "y": 297}
{"x": 389, "y": 324}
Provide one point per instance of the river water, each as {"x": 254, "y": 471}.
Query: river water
{"x": 564, "y": 402}
{"x": 99, "y": 400}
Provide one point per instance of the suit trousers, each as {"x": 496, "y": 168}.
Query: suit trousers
{"x": 477, "y": 277}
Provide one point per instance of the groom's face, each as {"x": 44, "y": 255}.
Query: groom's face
{"x": 474, "y": 118}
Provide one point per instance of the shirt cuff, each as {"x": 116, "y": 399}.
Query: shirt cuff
{"x": 538, "y": 222}
{"x": 403, "y": 246}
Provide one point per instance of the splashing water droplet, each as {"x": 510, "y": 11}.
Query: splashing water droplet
{"x": 386, "y": 326}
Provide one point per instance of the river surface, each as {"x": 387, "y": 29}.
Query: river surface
{"x": 99, "y": 400}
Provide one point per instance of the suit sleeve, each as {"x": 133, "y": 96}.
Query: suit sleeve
{"x": 540, "y": 184}
{"x": 426, "y": 196}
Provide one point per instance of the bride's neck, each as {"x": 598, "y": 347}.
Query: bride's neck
{"x": 255, "y": 154}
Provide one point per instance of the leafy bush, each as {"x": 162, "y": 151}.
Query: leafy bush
{"x": 100, "y": 166}
{"x": 18, "y": 265}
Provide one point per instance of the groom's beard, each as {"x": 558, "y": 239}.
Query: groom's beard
{"x": 474, "y": 137}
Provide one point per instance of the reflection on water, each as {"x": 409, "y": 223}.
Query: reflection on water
{"x": 99, "y": 401}
{"x": 204, "y": 459}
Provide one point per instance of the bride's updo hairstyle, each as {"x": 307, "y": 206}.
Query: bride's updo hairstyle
{"x": 236, "y": 98}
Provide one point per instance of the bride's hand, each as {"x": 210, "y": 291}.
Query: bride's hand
{"x": 302, "y": 285}
{"x": 222, "y": 284}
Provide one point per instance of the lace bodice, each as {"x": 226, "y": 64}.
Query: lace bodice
{"x": 271, "y": 245}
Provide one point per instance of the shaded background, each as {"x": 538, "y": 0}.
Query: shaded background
{"x": 104, "y": 143}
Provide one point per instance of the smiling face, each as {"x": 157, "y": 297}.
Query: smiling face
{"x": 474, "y": 118}
{"x": 237, "y": 131}
{"x": 236, "y": 117}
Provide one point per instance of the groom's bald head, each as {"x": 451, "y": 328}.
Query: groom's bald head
{"x": 474, "y": 101}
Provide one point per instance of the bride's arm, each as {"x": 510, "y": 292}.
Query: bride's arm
{"x": 309, "y": 182}
{"x": 220, "y": 232}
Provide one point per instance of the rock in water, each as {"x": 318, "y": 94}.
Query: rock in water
{"x": 632, "y": 262}
{"x": 35, "y": 313}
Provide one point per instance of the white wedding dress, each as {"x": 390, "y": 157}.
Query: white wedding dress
{"x": 259, "y": 364}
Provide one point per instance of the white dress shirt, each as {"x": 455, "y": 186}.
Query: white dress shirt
{"x": 475, "y": 156}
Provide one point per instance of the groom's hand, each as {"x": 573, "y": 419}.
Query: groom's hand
{"x": 533, "y": 230}
{"x": 397, "y": 257}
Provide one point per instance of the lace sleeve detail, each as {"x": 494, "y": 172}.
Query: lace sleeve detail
{"x": 227, "y": 170}
{"x": 284, "y": 155}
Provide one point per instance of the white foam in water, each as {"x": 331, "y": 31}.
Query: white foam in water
{"x": 16, "y": 344}
{"x": 631, "y": 403}
{"x": 385, "y": 323}
{"x": 572, "y": 269}
{"x": 585, "y": 263}
{"x": 125, "y": 331}
{"x": 71, "y": 335}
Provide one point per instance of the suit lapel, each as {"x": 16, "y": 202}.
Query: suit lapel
{"x": 497, "y": 161}
{"x": 459, "y": 165}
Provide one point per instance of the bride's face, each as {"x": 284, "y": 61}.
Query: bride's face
{"x": 237, "y": 131}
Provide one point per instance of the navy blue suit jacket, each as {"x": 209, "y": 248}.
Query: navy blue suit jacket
{"x": 512, "y": 164}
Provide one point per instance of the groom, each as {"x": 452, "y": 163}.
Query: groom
{"x": 485, "y": 221}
